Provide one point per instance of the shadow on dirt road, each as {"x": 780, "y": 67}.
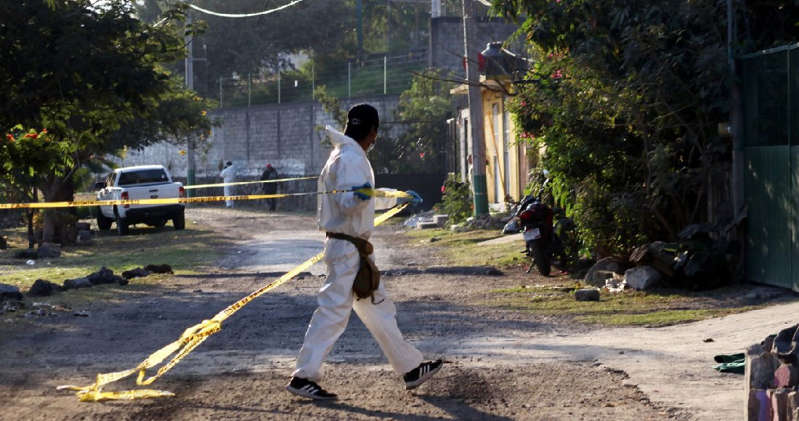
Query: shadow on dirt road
{"x": 504, "y": 364}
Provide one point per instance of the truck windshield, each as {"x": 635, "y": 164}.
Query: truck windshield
{"x": 143, "y": 177}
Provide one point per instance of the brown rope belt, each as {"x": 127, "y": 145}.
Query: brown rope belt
{"x": 367, "y": 280}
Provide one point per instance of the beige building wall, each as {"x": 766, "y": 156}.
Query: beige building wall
{"x": 507, "y": 166}
{"x": 506, "y": 173}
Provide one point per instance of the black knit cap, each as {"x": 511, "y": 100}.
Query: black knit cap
{"x": 363, "y": 116}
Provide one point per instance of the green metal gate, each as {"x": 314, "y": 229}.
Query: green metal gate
{"x": 771, "y": 165}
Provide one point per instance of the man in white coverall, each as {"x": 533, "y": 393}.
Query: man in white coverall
{"x": 352, "y": 213}
{"x": 228, "y": 174}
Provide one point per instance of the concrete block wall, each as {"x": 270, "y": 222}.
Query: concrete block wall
{"x": 288, "y": 136}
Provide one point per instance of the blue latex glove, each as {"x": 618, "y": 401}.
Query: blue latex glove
{"x": 362, "y": 195}
{"x": 415, "y": 199}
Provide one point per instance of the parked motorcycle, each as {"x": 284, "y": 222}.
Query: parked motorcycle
{"x": 542, "y": 243}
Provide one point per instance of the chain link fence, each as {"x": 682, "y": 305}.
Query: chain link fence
{"x": 375, "y": 75}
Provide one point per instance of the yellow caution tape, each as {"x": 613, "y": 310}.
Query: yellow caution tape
{"x": 237, "y": 183}
{"x": 190, "y": 339}
{"x": 175, "y": 200}
{"x": 161, "y": 201}
{"x": 241, "y": 183}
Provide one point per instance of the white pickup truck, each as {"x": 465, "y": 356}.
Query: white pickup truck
{"x": 140, "y": 182}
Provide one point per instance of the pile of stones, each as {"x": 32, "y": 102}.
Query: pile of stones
{"x": 12, "y": 299}
{"x": 772, "y": 378}
{"x": 701, "y": 259}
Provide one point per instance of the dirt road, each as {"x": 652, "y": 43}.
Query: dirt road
{"x": 503, "y": 364}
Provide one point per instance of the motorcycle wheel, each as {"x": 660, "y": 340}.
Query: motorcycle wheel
{"x": 542, "y": 262}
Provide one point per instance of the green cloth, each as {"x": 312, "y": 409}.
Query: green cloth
{"x": 730, "y": 363}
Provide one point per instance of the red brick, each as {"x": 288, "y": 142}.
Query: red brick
{"x": 786, "y": 375}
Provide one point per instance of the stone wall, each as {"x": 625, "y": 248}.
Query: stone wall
{"x": 771, "y": 377}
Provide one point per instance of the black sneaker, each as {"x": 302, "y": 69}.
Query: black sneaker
{"x": 309, "y": 389}
{"x": 421, "y": 374}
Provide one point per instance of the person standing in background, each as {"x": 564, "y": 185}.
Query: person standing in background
{"x": 270, "y": 173}
{"x": 228, "y": 175}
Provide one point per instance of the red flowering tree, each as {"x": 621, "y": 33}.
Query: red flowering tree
{"x": 27, "y": 159}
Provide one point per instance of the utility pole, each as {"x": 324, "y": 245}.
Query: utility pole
{"x": 736, "y": 126}
{"x": 359, "y": 11}
{"x": 471, "y": 51}
{"x": 189, "y": 38}
{"x": 736, "y": 129}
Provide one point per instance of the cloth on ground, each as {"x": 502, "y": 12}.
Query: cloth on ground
{"x": 730, "y": 363}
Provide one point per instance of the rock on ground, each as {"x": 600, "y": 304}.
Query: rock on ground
{"x": 135, "y": 273}
{"x": 42, "y": 288}
{"x": 602, "y": 271}
{"x": 9, "y": 292}
{"x": 642, "y": 278}
{"x": 586, "y": 294}
{"x": 105, "y": 276}
{"x": 159, "y": 268}
{"x": 77, "y": 283}
{"x": 48, "y": 250}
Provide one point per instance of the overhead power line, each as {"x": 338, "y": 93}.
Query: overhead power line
{"x": 244, "y": 15}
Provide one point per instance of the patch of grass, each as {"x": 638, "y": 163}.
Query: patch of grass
{"x": 188, "y": 251}
{"x": 464, "y": 248}
{"x": 629, "y": 308}
{"x": 657, "y": 318}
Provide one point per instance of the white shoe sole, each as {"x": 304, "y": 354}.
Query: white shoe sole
{"x": 424, "y": 378}
{"x": 305, "y": 394}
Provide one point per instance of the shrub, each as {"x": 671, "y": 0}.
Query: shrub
{"x": 457, "y": 199}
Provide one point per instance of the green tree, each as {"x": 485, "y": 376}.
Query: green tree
{"x": 93, "y": 76}
{"x": 422, "y": 112}
{"x": 626, "y": 96}
{"x": 421, "y": 147}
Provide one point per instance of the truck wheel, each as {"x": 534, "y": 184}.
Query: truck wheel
{"x": 540, "y": 258}
{"x": 158, "y": 223}
{"x": 103, "y": 223}
{"x": 122, "y": 226}
{"x": 179, "y": 220}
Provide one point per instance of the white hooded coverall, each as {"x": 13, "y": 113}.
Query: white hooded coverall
{"x": 348, "y": 167}
{"x": 228, "y": 175}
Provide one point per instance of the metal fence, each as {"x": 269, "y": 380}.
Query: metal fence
{"x": 381, "y": 75}
{"x": 770, "y": 82}
{"x": 770, "y": 94}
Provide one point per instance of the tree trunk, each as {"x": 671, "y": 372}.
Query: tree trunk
{"x": 31, "y": 238}
{"x": 31, "y": 241}
{"x": 59, "y": 224}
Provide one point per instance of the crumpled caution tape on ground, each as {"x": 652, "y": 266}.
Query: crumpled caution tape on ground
{"x": 176, "y": 200}
{"x": 190, "y": 339}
